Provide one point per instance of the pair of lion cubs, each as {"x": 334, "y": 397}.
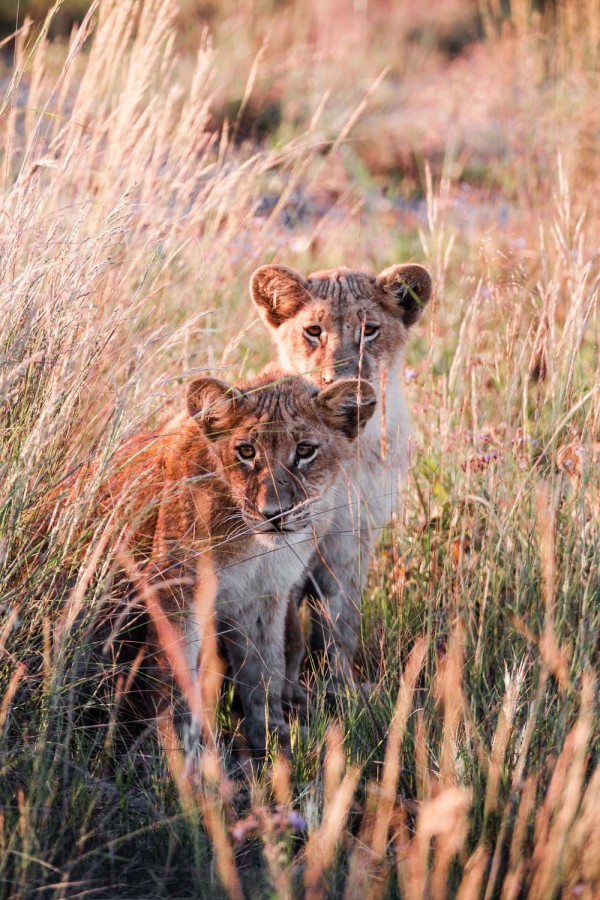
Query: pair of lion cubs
{"x": 271, "y": 482}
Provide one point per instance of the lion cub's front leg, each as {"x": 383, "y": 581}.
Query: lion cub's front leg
{"x": 253, "y": 634}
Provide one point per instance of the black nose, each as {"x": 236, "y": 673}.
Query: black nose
{"x": 347, "y": 370}
{"x": 274, "y": 514}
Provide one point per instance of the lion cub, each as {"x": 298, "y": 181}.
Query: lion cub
{"x": 338, "y": 324}
{"x": 238, "y": 489}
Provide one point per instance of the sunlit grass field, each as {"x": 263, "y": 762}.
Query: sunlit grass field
{"x": 149, "y": 161}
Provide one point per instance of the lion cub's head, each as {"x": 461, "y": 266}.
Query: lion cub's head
{"x": 281, "y": 446}
{"x": 341, "y": 323}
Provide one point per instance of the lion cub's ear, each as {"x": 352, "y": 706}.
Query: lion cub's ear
{"x": 405, "y": 291}
{"x": 278, "y": 292}
{"x": 214, "y": 404}
{"x": 347, "y": 405}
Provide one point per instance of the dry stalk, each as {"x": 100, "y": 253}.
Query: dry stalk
{"x": 177, "y": 764}
{"x": 172, "y": 642}
{"x": 322, "y": 843}
{"x": 335, "y": 762}
{"x": 361, "y": 870}
{"x": 280, "y": 776}
{"x": 451, "y": 834}
{"x": 211, "y": 664}
{"x": 273, "y": 847}
{"x": 393, "y": 760}
{"x": 474, "y": 873}
{"x": 555, "y": 659}
{"x": 211, "y": 804}
{"x": 421, "y": 756}
{"x": 9, "y": 695}
{"x": 445, "y": 818}
{"x": 449, "y": 690}
{"x": 582, "y": 860}
{"x": 518, "y": 865}
{"x": 558, "y": 814}
{"x": 501, "y": 738}
{"x": 77, "y": 596}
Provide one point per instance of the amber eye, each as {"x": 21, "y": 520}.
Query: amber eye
{"x": 371, "y": 329}
{"x": 313, "y": 331}
{"x": 305, "y": 451}
{"x": 246, "y": 451}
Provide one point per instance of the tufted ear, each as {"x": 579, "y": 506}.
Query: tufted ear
{"x": 347, "y": 405}
{"x": 214, "y": 404}
{"x": 278, "y": 292}
{"x": 405, "y": 291}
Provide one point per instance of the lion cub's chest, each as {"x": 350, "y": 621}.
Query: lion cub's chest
{"x": 252, "y": 592}
{"x": 372, "y": 497}
{"x": 262, "y": 575}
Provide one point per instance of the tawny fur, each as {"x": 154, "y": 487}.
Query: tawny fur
{"x": 195, "y": 506}
{"x": 338, "y": 324}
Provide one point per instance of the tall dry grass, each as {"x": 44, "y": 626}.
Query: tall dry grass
{"x": 468, "y": 764}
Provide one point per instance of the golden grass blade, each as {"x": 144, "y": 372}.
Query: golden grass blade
{"x": 393, "y": 759}
{"x": 212, "y": 810}
{"x": 273, "y": 845}
{"x": 474, "y": 874}
{"x": 518, "y": 864}
{"x": 449, "y": 690}
{"x": 170, "y": 639}
{"x": 335, "y": 762}
{"x": 76, "y": 599}
{"x": 321, "y": 845}
{"x": 360, "y": 880}
{"x": 501, "y": 739}
{"x": 581, "y": 860}
{"x": 211, "y": 665}
{"x": 11, "y": 690}
{"x": 444, "y": 818}
{"x": 421, "y": 757}
{"x": 176, "y": 763}
{"x": 564, "y": 796}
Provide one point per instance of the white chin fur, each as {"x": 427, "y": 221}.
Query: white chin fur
{"x": 273, "y": 539}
